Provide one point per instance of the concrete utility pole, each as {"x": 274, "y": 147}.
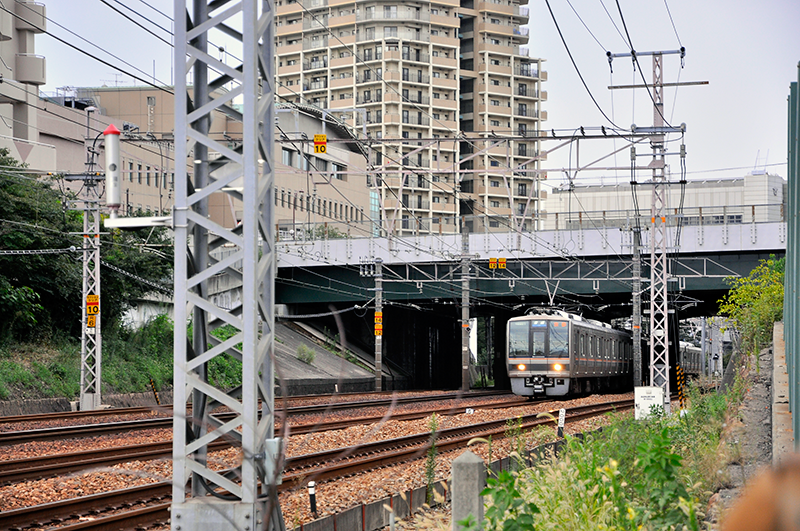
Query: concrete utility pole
{"x": 247, "y": 174}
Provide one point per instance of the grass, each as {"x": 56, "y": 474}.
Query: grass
{"x": 653, "y": 474}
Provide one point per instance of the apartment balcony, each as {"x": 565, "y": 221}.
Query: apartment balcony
{"x": 347, "y": 20}
{"x": 336, "y": 62}
{"x": 448, "y": 62}
{"x": 543, "y": 95}
{"x": 288, "y": 9}
{"x": 495, "y": 29}
{"x": 502, "y": 70}
{"x": 31, "y": 16}
{"x": 500, "y": 90}
{"x": 417, "y": 57}
{"x": 288, "y": 29}
{"x": 526, "y": 93}
{"x": 290, "y": 49}
{"x": 318, "y": 22}
{"x": 364, "y": 100}
{"x": 31, "y": 69}
{"x": 443, "y": 40}
{"x": 315, "y": 65}
{"x": 445, "y": 82}
{"x": 450, "y": 125}
{"x": 338, "y": 103}
{"x": 445, "y": 104}
{"x": 316, "y": 85}
{"x": 492, "y": 7}
{"x": 342, "y": 82}
{"x": 526, "y": 72}
{"x": 315, "y": 44}
{"x": 442, "y": 20}
{"x": 496, "y": 48}
{"x": 368, "y": 77}
{"x": 414, "y": 98}
{"x": 416, "y": 120}
{"x": 400, "y": 14}
{"x": 528, "y": 113}
{"x": 289, "y": 69}
{"x": 415, "y": 78}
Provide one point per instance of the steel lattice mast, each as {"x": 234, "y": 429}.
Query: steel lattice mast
{"x": 659, "y": 303}
{"x": 247, "y": 174}
{"x": 91, "y": 343}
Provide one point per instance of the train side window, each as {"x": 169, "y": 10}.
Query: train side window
{"x": 582, "y": 345}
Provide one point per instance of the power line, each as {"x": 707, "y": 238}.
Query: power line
{"x": 59, "y": 39}
{"x": 576, "y": 66}
{"x": 151, "y": 32}
{"x": 587, "y": 27}
{"x": 673, "y": 24}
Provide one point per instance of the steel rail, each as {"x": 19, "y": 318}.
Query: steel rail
{"x": 52, "y": 465}
{"x": 368, "y": 456}
{"x": 89, "y": 430}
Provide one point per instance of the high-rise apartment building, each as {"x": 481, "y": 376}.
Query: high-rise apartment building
{"x": 448, "y": 102}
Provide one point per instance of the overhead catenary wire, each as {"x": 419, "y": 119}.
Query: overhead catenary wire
{"x": 77, "y": 48}
{"x": 577, "y": 70}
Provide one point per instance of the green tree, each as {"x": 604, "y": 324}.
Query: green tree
{"x": 40, "y": 293}
{"x": 755, "y": 302}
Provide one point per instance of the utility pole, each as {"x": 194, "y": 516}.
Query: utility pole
{"x": 465, "y": 261}
{"x": 246, "y": 173}
{"x": 659, "y": 303}
{"x": 378, "y": 325}
{"x": 637, "y": 305}
{"x": 91, "y": 336}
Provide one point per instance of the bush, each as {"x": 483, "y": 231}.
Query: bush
{"x": 652, "y": 474}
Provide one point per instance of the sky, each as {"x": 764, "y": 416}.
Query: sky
{"x": 747, "y": 51}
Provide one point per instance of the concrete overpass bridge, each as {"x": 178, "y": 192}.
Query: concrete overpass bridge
{"x": 588, "y": 270}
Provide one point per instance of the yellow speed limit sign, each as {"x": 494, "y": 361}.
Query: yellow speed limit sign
{"x": 92, "y": 304}
{"x": 320, "y": 143}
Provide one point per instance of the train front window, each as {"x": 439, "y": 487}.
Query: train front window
{"x": 518, "y": 339}
{"x": 559, "y": 339}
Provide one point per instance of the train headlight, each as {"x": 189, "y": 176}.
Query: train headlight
{"x": 558, "y": 366}
{"x": 521, "y": 367}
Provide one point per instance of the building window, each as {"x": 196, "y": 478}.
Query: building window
{"x": 139, "y": 179}
{"x": 494, "y": 184}
{"x": 389, "y": 31}
{"x": 287, "y": 156}
{"x": 522, "y": 189}
{"x": 496, "y": 82}
{"x": 437, "y": 199}
{"x": 494, "y": 223}
{"x": 495, "y": 204}
{"x": 495, "y": 123}
{"x": 130, "y": 171}
{"x": 494, "y": 163}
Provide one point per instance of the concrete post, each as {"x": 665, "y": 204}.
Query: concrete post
{"x": 469, "y": 479}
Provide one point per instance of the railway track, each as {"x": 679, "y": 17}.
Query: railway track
{"x": 89, "y": 430}
{"x": 323, "y": 466}
{"x": 57, "y": 464}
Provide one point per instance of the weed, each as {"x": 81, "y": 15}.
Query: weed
{"x": 305, "y": 354}
{"x": 430, "y": 462}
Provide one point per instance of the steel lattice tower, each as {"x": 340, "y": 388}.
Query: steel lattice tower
{"x": 246, "y": 172}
